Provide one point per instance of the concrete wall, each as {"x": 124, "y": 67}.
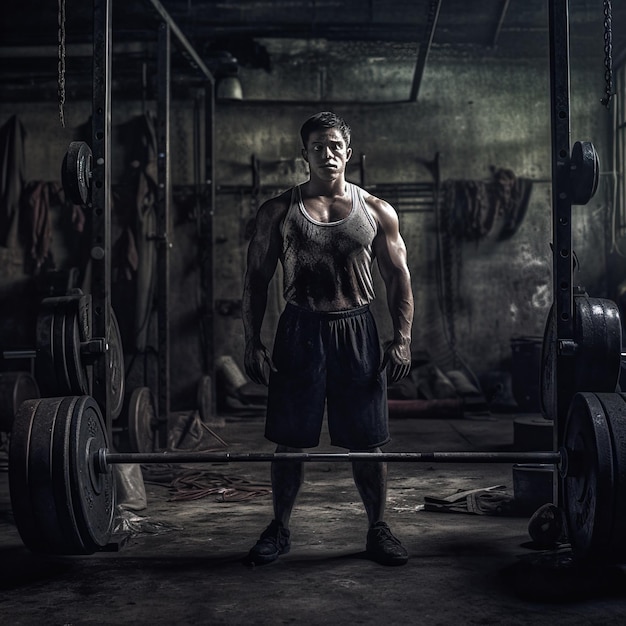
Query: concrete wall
{"x": 495, "y": 112}
{"x": 476, "y": 109}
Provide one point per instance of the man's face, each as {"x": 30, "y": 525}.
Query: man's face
{"x": 327, "y": 153}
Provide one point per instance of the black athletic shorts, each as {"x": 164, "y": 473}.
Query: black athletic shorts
{"x": 331, "y": 358}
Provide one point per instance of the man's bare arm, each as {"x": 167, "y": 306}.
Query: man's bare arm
{"x": 390, "y": 251}
{"x": 263, "y": 255}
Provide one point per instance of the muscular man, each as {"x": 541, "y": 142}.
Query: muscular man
{"x": 327, "y": 232}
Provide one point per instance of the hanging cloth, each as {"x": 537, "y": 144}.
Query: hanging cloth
{"x": 12, "y": 169}
{"x": 37, "y": 199}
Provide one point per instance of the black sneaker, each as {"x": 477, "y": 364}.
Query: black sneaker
{"x": 383, "y": 547}
{"x": 273, "y": 542}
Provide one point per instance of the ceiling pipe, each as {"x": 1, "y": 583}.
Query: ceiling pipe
{"x": 188, "y": 49}
{"x": 503, "y": 12}
{"x": 433, "y": 16}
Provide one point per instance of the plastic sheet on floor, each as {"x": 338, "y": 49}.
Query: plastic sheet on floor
{"x": 130, "y": 524}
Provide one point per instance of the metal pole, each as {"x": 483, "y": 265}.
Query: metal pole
{"x": 104, "y": 457}
{"x": 101, "y": 199}
{"x": 424, "y": 51}
{"x": 207, "y": 252}
{"x": 163, "y": 204}
{"x": 563, "y": 265}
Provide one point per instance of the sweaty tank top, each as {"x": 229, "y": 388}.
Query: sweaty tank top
{"x": 328, "y": 266}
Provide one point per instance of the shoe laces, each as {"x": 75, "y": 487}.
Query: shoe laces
{"x": 382, "y": 532}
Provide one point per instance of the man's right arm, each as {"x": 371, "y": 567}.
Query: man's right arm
{"x": 263, "y": 253}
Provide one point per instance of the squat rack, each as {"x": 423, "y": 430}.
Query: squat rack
{"x": 101, "y": 197}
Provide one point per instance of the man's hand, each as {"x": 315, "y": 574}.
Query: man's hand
{"x": 398, "y": 359}
{"x": 255, "y": 361}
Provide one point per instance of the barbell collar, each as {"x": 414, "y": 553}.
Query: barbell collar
{"x": 568, "y": 347}
{"x": 104, "y": 458}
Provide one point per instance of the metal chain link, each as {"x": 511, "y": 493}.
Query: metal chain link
{"x": 608, "y": 54}
{"x": 61, "y": 65}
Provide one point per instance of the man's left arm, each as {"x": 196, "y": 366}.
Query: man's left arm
{"x": 390, "y": 251}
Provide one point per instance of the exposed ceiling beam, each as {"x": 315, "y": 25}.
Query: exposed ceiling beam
{"x": 503, "y": 12}
{"x": 188, "y": 49}
{"x": 424, "y": 49}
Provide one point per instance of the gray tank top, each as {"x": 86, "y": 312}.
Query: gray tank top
{"x": 328, "y": 266}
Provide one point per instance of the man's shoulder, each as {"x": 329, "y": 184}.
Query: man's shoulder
{"x": 376, "y": 205}
{"x": 282, "y": 200}
{"x": 277, "y": 206}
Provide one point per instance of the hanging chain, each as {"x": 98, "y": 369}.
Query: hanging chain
{"x": 608, "y": 54}
{"x": 61, "y": 66}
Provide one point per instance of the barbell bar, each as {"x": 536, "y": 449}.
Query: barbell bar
{"x": 63, "y": 490}
{"x": 103, "y": 458}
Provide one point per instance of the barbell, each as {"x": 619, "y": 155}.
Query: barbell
{"x": 63, "y": 490}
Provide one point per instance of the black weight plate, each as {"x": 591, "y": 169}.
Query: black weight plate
{"x": 19, "y": 451}
{"x": 45, "y": 371}
{"x": 584, "y": 172}
{"x": 615, "y": 412}
{"x": 59, "y": 349}
{"x": 49, "y": 462}
{"x": 142, "y": 421}
{"x": 93, "y": 492}
{"x": 548, "y": 368}
{"x": 599, "y": 335}
{"x": 588, "y": 487}
{"x": 597, "y": 362}
{"x": 76, "y": 172}
{"x": 77, "y": 372}
{"x": 40, "y": 474}
{"x": 45, "y": 472}
{"x": 116, "y": 367}
{"x": 64, "y": 492}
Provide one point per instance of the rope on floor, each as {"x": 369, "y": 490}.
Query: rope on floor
{"x": 193, "y": 484}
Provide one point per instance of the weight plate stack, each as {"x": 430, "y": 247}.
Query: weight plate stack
{"x": 596, "y": 364}
{"x": 61, "y": 327}
{"x": 61, "y": 505}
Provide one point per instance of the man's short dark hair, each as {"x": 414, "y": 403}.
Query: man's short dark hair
{"x": 325, "y": 119}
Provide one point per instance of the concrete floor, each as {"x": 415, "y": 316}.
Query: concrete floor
{"x": 463, "y": 569}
